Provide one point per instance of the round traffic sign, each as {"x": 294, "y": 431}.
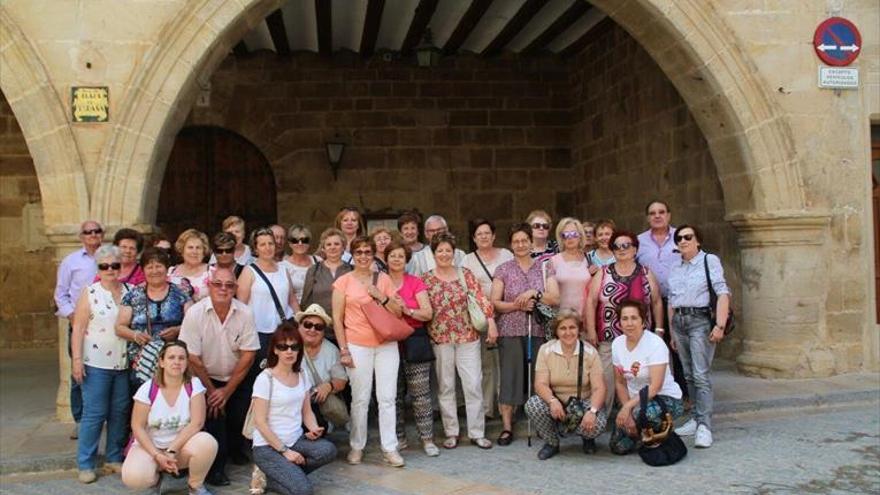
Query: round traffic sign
{"x": 837, "y": 41}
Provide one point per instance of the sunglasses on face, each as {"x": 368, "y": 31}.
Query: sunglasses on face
{"x": 224, "y": 250}
{"x": 223, "y": 285}
{"x": 299, "y": 240}
{"x": 622, "y": 246}
{"x": 318, "y": 327}
{"x": 684, "y": 237}
{"x": 571, "y": 234}
{"x": 542, "y": 226}
{"x": 93, "y": 232}
{"x": 287, "y": 347}
{"x": 109, "y": 266}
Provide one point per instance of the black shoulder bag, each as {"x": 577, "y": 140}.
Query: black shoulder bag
{"x": 663, "y": 447}
{"x": 575, "y": 408}
{"x": 278, "y": 306}
{"x": 713, "y": 301}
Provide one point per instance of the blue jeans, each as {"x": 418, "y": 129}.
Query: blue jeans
{"x": 105, "y": 398}
{"x": 287, "y": 478}
{"x": 76, "y": 398}
{"x": 691, "y": 333}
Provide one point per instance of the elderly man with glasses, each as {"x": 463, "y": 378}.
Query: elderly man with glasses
{"x": 222, "y": 340}
{"x": 77, "y": 271}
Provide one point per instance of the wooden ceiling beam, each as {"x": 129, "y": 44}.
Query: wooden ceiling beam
{"x": 466, "y": 25}
{"x": 372, "y": 22}
{"x": 422, "y": 17}
{"x": 324, "y": 17}
{"x": 563, "y": 22}
{"x": 519, "y": 20}
{"x": 591, "y": 34}
{"x": 278, "y": 32}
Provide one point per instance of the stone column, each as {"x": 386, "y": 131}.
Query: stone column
{"x": 785, "y": 280}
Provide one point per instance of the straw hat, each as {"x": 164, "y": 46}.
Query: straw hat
{"x": 314, "y": 310}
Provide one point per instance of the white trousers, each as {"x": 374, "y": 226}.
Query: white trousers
{"x": 465, "y": 360}
{"x": 383, "y": 361}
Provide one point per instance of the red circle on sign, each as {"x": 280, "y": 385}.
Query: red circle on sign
{"x": 831, "y": 48}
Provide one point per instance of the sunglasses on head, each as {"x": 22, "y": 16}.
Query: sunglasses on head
{"x": 92, "y": 231}
{"x": 571, "y": 234}
{"x": 538, "y": 225}
{"x": 287, "y": 347}
{"x": 684, "y": 237}
{"x": 109, "y": 266}
{"x": 308, "y": 325}
{"x": 298, "y": 240}
{"x": 223, "y": 285}
{"x": 622, "y": 246}
{"x": 224, "y": 250}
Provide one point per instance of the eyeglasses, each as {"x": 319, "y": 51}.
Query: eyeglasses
{"x": 224, "y": 250}
{"x": 109, "y": 266}
{"x": 93, "y": 232}
{"x": 542, "y": 226}
{"x": 223, "y": 285}
{"x": 684, "y": 237}
{"x": 623, "y": 246}
{"x": 318, "y": 327}
{"x": 287, "y": 347}
{"x": 571, "y": 234}
{"x": 299, "y": 240}
{"x": 363, "y": 252}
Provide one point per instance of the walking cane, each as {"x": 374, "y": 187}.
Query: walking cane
{"x": 529, "y": 371}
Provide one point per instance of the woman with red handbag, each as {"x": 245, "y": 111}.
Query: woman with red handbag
{"x": 365, "y": 352}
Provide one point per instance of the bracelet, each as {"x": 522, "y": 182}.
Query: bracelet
{"x": 387, "y": 299}
{"x": 172, "y": 452}
{"x": 659, "y": 330}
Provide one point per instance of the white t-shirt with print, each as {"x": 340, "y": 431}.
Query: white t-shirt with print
{"x": 165, "y": 421}
{"x": 651, "y": 350}
{"x": 285, "y": 408}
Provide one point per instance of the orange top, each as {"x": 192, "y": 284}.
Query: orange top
{"x": 357, "y": 327}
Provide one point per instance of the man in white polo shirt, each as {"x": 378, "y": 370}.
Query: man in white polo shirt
{"x": 221, "y": 336}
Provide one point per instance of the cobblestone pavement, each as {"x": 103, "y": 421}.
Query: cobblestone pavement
{"x": 830, "y": 451}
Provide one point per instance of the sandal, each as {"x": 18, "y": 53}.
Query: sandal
{"x": 505, "y": 438}
{"x": 483, "y": 443}
{"x": 450, "y": 443}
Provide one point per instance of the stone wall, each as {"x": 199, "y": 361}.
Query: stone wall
{"x": 473, "y": 137}
{"x": 634, "y": 139}
{"x": 27, "y": 269}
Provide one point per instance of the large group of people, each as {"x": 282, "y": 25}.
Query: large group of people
{"x": 184, "y": 349}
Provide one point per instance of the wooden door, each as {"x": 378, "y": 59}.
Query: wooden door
{"x": 213, "y": 173}
{"x": 875, "y": 173}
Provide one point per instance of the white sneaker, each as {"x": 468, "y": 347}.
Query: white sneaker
{"x": 393, "y": 459}
{"x": 703, "y": 439}
{"x": 431, "y": 449}
{"x": 687, "y": 429}
{"x": 355, "y": 456}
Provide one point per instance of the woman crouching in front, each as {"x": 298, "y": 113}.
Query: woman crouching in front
{"x": 556, "y": 382}
{"x": 281, "y": 408}
{"x": 167, "y": 419}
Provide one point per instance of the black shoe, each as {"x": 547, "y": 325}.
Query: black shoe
{"x": 239, "y": 458}
{"x": 505, "y": 438}
{"x": 548, "y": 451}
{"x": 217, "y": 479}
{"x": 589, "y": 446}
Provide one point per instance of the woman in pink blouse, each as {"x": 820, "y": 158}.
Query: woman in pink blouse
{"x": 570, "y": 265}
{"x": 456, "y": 341}
{"x": 192, "y": 275}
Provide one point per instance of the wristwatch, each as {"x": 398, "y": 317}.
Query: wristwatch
{"x": 594, "y": 410}
{"x": 283, "y": 449}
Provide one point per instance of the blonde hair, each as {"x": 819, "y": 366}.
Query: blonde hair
{"x": 538, "y": 213}
{"x": 330, "y": 232}
{"x": 362, "y": 229}
{"x": 567, "y": 314}
{"x": 189, "y": 234}
{"x": 232, "y": 221}
{"x": 565, "y": 222}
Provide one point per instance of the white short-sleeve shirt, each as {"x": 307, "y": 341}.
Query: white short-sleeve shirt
{"x": 164, "y": 420}
{"x": 285, "y": 408}
{"x": 651, "y": 350}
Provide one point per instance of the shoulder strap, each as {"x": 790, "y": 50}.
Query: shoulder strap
{"x": 484, "y": 266}
{"x": 375, "y": 278}
{"x": 188, "y": 386}
{"x": 271, "y": 291}
{"x": 713, "y": 297}
{"x": 462, "y": 280}
{"x": 314, "y": 371}
{"x": 580, "y": 368}
{"x": 154, "y": 391}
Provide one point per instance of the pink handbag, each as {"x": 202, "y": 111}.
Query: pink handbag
{"x": 389, "y": 327}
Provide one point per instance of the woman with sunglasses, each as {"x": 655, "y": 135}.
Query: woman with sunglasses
{"x": 100, "y": 366}
{"x": 166, "y": 423}
{"x": 282, "y": 450}
{"x": 625, "y": 279}
{"x": 224, "y": 253}
{"x": 298, "y": 262}
{"x": 694, "y": 334}
{"x": 570, "y": 265}
{"x": 322, "y": 366}
{"x": 543, "y": 247}
{"x": 364, "y": 352}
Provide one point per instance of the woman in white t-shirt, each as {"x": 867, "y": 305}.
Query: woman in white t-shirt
{"x": 640, "y": 359}
{"x": 281, "y": 407}
{"x": 167, "y": 419}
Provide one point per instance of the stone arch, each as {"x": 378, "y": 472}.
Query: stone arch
{"x": 40, "y": 112}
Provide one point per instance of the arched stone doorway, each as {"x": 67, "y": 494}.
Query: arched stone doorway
{"x": 213, "y": 173}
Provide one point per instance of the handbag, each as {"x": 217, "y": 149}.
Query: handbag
{"x": 713, "y": 301}
{"x": 544, "y": 313}
{"x": 417, "y": 348}
{"x": 575, "y": 407}
{"x": 478, "y": 318}
{"x": 389, "y": 327}
{"x": 663, "y": 447}
{"x": 247, "y": 430}
{"x": 146, "y": 358}
{"x": 332, "y": 409}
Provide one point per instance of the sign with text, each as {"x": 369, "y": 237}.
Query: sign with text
{"x": 839, "y": 77}
{"x": 837, "y": 41}
{"x": 90, "y": 103}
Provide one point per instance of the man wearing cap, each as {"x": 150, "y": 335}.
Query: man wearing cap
{"x": 321, "y": 363}
{"x": 221, "y": 336}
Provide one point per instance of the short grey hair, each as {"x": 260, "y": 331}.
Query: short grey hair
{"x": 107, "y": 251}
{"x": 436, "y": 218}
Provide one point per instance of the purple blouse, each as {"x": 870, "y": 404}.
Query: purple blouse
{"x": 515, "y": 323}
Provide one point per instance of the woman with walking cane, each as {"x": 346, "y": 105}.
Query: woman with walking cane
{"x": 518, "y": 284}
